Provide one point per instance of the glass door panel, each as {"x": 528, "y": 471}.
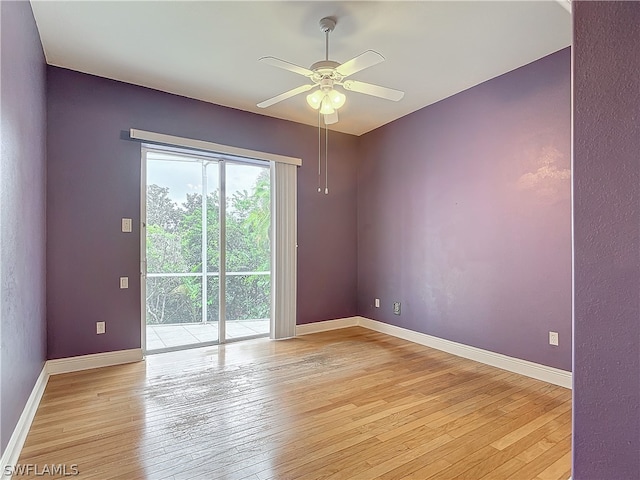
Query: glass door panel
{"x": 177, "y": 264}
{"x": 248, "y": 250}
{"x": 206, "y": 280}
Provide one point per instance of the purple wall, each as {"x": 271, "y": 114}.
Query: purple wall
{"x": 464, "y": 216}
{"x": 606, "y": 395}
{"x": 22, "y": 217}
{"x": 94, "y": 181}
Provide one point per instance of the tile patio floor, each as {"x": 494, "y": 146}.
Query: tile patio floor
{"x": 177, "y": 335}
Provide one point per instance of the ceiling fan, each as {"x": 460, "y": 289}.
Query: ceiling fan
{"x": 326, "y": 75}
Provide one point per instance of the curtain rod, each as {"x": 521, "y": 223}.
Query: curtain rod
{"x": 211, "y": 147}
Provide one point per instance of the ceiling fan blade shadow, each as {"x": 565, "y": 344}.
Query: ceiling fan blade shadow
{"x": 292, "y": 67}
{"x": 331, "y": 118}
{"x": 285, "y": 95}
{"x": 375, "y": 90}
{"x": 362, "y": 61}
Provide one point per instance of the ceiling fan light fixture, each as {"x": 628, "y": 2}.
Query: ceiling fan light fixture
{"x": 326, "y": 73}
{"x": 326, "y": 108}
{"x": 314, "y": 99}
{"x": 321, "y": 77}
{"x": 337, "y": 98}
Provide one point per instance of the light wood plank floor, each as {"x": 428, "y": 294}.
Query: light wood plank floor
{"x": 345, "y": 404}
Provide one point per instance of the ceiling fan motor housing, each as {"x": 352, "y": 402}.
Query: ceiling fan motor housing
{"x": 325, "y": 69}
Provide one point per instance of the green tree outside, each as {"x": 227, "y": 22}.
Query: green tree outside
{"x": 174, "y": 239}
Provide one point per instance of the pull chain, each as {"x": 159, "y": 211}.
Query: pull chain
{"x": 319, "y": 151}
{"x": 326, "y": 159}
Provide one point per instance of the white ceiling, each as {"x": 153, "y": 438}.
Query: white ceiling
{"x": 210, "y": 50}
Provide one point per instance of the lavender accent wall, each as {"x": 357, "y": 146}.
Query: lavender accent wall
{"x": 464, "y": 216}
{"x": 606, "y": 377}
{"x": 22, "y": 212}
{"x": 94, "y": 181}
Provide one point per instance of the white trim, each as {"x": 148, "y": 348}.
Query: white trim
{"x": 143, "y": 248}
{"x": 566, "y": 4}
{"x": 315, "y": 327}
{"x": 19, "y": 435}
{"x": 511, "y": 364}
{"x": 222, "y": 253}
{"x": 211, "y": 147}
{"x": 516, "y": 365}
{"x": 84, "y": 362}
{"x": 52, "y": 367}
{"x": 96, "y": 360}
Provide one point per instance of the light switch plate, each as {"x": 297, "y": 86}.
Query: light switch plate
{"x": 124, "y": 282}
{"x": 100, "y": 328}
{"x": 126, "y": 225}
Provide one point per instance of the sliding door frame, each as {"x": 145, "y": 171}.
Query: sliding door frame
{"x": 143, "y": 249}
{"x": 284, "y": 222}
{"x": 206, "y": 159}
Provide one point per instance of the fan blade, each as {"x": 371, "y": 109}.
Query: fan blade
{"x": 375, "y": 90}
{"x": 292, "y": 67}
{"x": 331, "y": 118}
{"x": 285, "y": 95}
{"x": 362, "y": 61}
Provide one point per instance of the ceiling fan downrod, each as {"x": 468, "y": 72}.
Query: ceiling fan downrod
{"x": 327, "y": 24}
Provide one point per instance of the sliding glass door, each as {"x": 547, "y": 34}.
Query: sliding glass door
{"x": 247, "y": 296}
{"x": 207, "y": 249}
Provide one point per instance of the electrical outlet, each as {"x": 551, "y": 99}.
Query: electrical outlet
{"x": 124, "y": 282}
{"x": 100, "y": 328}
{"x": 377, "y": 303}
{"x": 396, "y": 308}
{"x": 553, "y": 338}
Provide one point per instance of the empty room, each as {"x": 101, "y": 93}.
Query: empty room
{"x": 320, "y": 240}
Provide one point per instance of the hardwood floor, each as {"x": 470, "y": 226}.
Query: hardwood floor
{"x": 345, "y": 404}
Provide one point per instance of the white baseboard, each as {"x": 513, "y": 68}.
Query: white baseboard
{"x": 84, "y": 362}
{"x": 326, "y": 325}
{"x": 52, "y": 367}
{"x": 19, "y": 435}
{"x": 96, "y": 360}
{"x": 511, "y": 364}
